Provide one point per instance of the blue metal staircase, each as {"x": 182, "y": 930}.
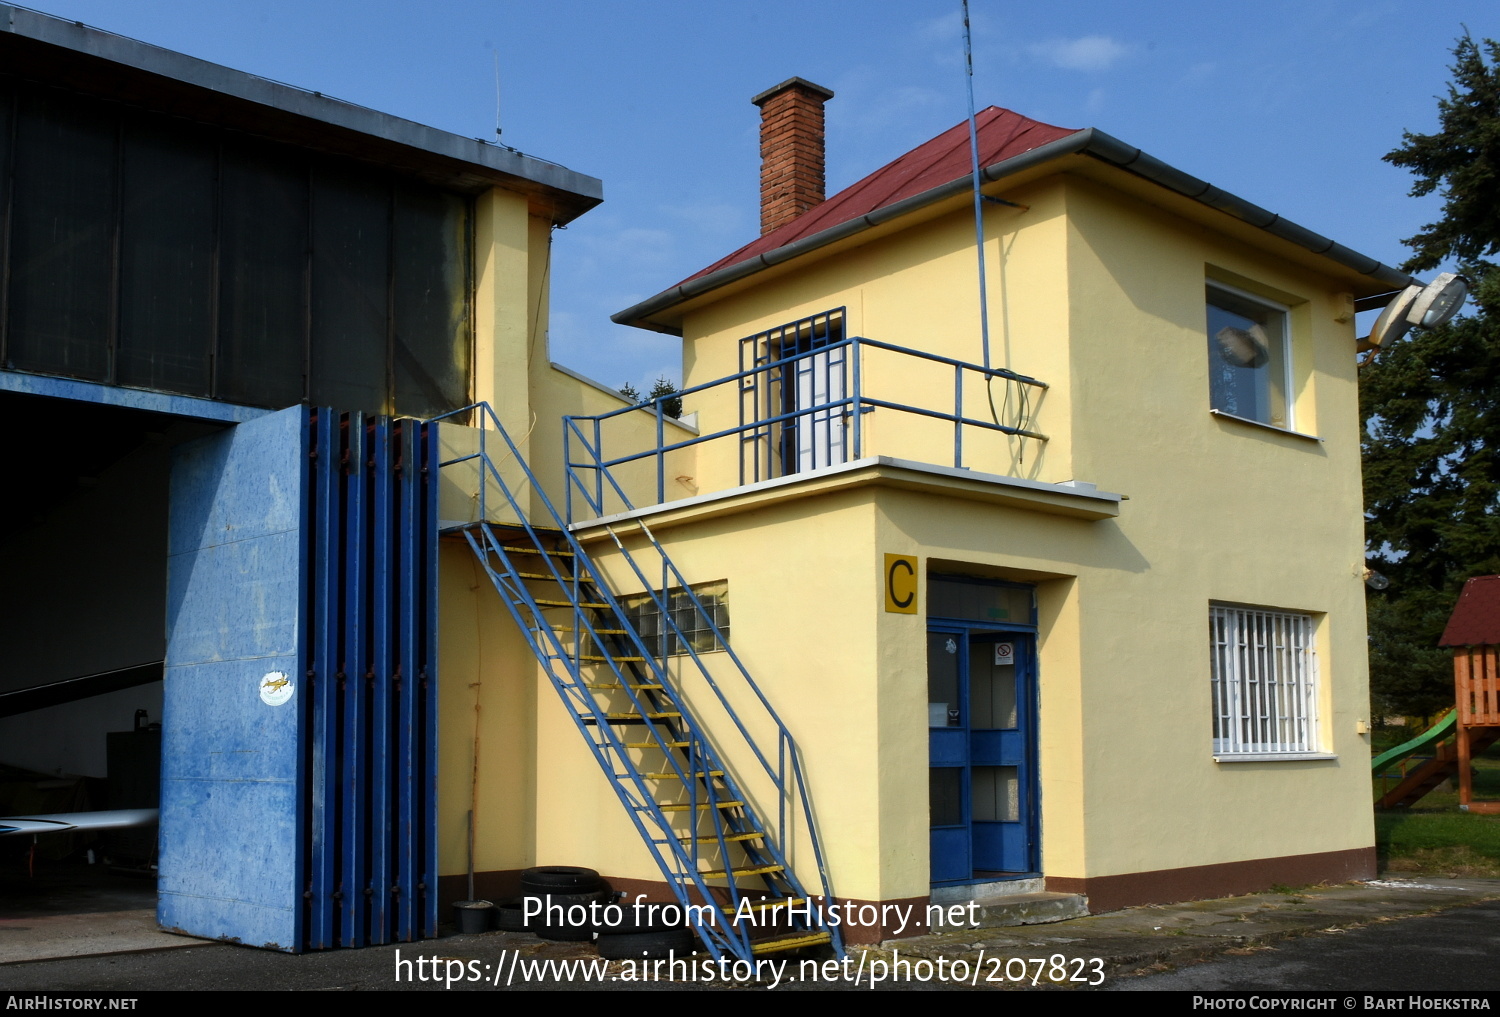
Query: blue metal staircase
{"x": 711, "y": 844}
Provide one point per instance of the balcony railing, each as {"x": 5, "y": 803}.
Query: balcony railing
{"x": 807, "y": 411}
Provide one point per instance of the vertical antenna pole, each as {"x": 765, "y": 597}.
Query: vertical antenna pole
{"x": 495, "y": 53}
{"x": 984, "y": 304}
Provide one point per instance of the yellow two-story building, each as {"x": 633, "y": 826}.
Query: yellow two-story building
{"x": 908, "y": 602}
{"x": 1068, "y": 599}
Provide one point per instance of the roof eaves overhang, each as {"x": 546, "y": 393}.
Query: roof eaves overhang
{"x": 1088, "y": 142}
{"x": 50, "y": 50}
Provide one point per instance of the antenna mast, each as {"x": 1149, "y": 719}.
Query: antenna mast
{"x": 984, "y": 304}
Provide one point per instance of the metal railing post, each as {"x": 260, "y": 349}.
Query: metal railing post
{"x": 569, "y": 478}
{"x": 859, "y": 405}
{"x": 958, "y": 416}
{"x": 598, "y": 466}
{"x": 661, "y": 457}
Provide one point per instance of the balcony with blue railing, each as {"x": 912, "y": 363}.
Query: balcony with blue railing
{"x": 810, "y": 403}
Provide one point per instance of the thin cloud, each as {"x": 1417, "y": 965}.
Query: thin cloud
{"x": 1089, "y": 53}
{"x": 945, "y": 29}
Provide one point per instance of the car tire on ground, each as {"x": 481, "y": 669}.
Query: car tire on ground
{"x": 544, "y": 879}
{"x": 647, "y": 945}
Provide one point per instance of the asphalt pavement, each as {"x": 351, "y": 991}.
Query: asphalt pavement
{"x": 1385, "y": 935}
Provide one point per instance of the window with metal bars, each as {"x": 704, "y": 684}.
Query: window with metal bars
{"x": 1265, "y": 681}
{"x": 693, "y": 629}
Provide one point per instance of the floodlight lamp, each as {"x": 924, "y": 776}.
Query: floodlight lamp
{"x": 1392, "y": 323}
{"x": 1439, "y": 301}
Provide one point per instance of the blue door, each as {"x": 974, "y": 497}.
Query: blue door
{"x": 981, "y": 693}
{"x": 233, "y": 811}
{"x": 299, "y": 766}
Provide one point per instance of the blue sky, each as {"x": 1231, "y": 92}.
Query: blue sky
{"x": 1288, "y": 104}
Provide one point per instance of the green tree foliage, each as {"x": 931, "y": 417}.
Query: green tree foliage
{"x": 1430, "y": 405}
{"x": 671, "y": 406}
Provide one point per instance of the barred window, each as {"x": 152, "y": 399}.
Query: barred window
{"x": 1265, "y": 679}
{"x": 692, "y": 627}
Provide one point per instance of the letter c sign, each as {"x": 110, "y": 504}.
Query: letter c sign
{"x": 901, "y": 584}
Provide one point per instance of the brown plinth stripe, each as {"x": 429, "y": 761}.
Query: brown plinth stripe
{"x": 1201, "y": 882}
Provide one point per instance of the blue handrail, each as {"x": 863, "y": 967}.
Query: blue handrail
{"x": 786, "y": 774}
{"x": 842, "y": 364}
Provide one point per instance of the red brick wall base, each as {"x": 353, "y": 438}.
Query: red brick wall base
{"x": 1200, "y": 882}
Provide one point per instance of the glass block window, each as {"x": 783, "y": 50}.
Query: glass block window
{"x": 684, "y": 626}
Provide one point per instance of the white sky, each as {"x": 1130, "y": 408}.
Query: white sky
{"x": 1287, "y": 104}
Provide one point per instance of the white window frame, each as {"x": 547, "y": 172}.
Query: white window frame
{"x": 1264, "y": 681}
{"x": 1282, "y": 354}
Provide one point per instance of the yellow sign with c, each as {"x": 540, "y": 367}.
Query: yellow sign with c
{"x": 901, "y": 583}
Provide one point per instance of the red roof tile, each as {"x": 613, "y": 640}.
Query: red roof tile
{"x": 1003, "y": 134}
{"x": 1476, "y": 618}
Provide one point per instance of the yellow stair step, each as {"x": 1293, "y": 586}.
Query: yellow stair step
{"x": 769, "y": 905}
{"x": 673, "y": 776}
{"x": 749, "y": 870}
{"x": 711, "y": 839}
{"x": 598, "y": 659}
{"x": 607, "y": 686}
{"x": 701, "y": 806}
{"x": 656, "y": 745}
{"x": 790, "y": 943}
{"x": 532, "y": 550}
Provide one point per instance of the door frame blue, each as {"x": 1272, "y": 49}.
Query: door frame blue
{"x": 967, "y": 629}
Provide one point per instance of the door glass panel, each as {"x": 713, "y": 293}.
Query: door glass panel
{"x": 954, "y": 598}
{"x": 943, "y": 707}
{"x": 992, "y": 687}
{"x": 945, "y": 796}
{"x": 995, "y": 793}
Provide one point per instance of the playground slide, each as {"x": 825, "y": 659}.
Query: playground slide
{"x": 1428, "y": 739}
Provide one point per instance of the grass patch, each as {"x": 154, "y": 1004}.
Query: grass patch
{"x": 1426, "y": 840}
{"x": 1433, "y": 836}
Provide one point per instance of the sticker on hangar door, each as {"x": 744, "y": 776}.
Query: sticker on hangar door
{"x": 276, "y": 688}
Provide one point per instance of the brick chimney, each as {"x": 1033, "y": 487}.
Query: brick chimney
{"x": 791, "y": 150}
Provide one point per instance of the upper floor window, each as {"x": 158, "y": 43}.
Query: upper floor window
{"x": 1249, "y": 360}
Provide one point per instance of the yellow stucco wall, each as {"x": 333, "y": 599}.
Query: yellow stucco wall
{"x": 493, "y": 699}
{"x": 1101, "y": 295}
{"x": 916, "y": 288}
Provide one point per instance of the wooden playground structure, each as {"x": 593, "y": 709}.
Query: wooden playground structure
{"x": 1473, "y": 725}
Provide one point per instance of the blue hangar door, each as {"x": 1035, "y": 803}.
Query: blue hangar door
{"x": 981, "y": 750}
{"x": 298, "y": 753}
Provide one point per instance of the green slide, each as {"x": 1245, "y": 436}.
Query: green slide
{"x": 1427, "y": 739}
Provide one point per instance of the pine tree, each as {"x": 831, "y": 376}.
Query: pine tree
{"x": 671, "y": 407}
{"x": 1430, "y": 405}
